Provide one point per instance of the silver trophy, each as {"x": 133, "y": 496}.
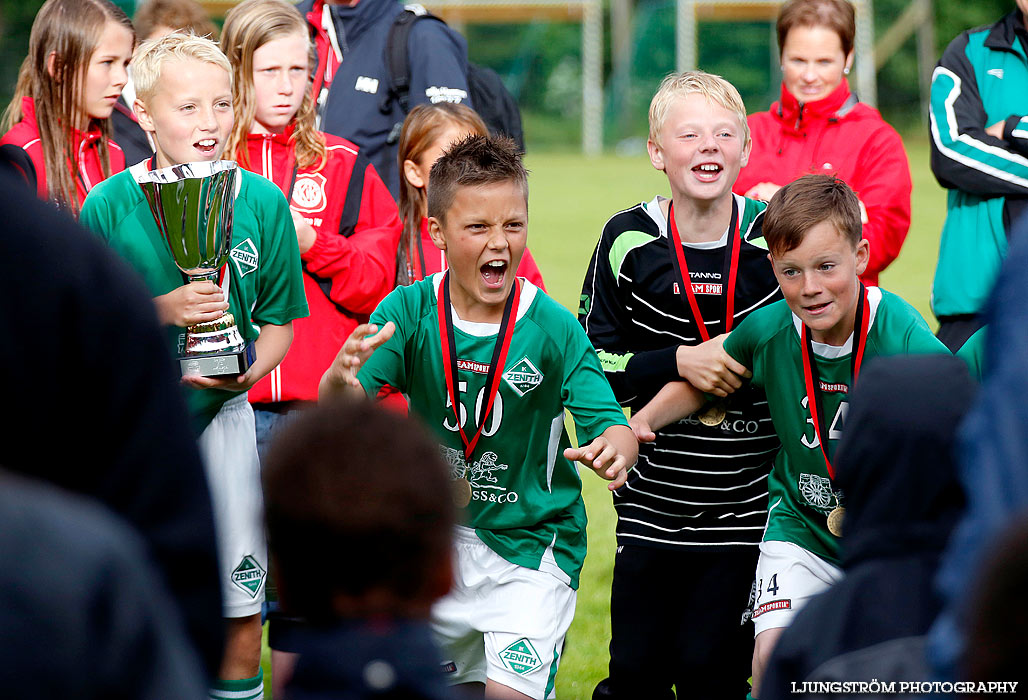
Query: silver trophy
{"x": 192, "y": 204}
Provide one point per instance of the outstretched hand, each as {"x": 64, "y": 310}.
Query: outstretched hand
{"x": 602, "y": 456}
{"x": 354, "y": 353}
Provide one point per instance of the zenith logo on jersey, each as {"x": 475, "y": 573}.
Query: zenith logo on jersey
{"x": 245, "y": 257}
{"x": 523, "y": 376}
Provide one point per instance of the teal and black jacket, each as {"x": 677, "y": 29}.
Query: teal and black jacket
{"x": 980, "y": 80}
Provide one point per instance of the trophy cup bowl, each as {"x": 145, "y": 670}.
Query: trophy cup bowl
{"x": 192, "y": 204}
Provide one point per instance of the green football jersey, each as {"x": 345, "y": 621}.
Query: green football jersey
{"x": 800, "y": 492}
{"x": 266, "y": 278}
{"x": 526, "y": 498}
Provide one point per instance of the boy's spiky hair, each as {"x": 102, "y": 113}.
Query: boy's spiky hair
{"x": 803, "y": 204}
{"x": 472, "y": 161}
{"x": 151, "y": 56}
{"x": 677, "y": 86}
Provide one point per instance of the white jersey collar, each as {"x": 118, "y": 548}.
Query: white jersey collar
{"x": 833, "y": 352}
{"x": 484, "y": 330}
{"x": 655, "y": 213}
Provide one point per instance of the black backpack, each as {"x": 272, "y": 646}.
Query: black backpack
{"x": 489, "y": 95}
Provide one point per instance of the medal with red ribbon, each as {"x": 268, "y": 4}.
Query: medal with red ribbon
{"x": 495, "y": 373}
{"x": 815, "y": 404}
{"x": 728, "y": 269}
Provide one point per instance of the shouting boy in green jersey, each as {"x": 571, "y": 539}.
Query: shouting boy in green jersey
{"x": 805, "y": 352}
{"x": 490, "y": 362}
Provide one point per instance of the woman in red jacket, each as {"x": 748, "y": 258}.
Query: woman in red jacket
{"x": 346, "y": 221}
{"x": 57, "y": 131}
{"x": 427, "y": 132}
{"x": 819, "y": 126}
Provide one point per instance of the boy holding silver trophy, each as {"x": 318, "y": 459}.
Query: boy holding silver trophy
{"x": 184, "y": 100}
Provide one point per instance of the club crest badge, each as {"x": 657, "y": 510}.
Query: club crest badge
{"x": 245, "y": 257}
{"x": 523, "y": 376}
{"x": 309, "y": 193}
{"x": 249, "y": 576}
{"x": 521, "y": 657}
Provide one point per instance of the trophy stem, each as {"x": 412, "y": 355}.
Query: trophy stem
{"x": 211, "y": 276}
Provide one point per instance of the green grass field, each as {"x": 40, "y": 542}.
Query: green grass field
{"x": 570, "y": 199}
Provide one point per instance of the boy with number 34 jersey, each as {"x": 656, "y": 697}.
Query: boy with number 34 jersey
{"x": 806, "y": 353}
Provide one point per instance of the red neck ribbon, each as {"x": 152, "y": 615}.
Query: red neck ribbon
{"x": 812, "y": 380}
{"x": 492, "y": 380}
{"x": 728, "y": 270}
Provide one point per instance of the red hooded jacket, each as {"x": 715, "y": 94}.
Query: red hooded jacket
{"x": 25, "y": 135}
{"x": 435, "y": 261}
{"x": 839, "y": 136}
{"x": 357, "y": 270}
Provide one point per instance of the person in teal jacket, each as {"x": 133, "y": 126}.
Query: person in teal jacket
{"x": 979, "y": 131}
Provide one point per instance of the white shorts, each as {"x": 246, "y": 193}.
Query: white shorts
{"x": 228, "y": 447}
{"x": 502, "y": 621}
{"x": 787, "y": 577}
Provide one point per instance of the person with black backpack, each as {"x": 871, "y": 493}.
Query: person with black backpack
{"x": 352, "y": 79}
{"x": 493, "y": 102}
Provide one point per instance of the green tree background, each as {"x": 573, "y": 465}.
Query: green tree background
{"x": 541, "y": 63}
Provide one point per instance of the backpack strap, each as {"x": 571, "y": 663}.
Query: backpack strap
{"x": 348, "y": 219}
{"x": 396, "y": 57}
{"x": 354, "y": 194}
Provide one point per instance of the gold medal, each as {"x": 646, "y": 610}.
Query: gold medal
{"x": 714, "y": 415}
{"x": 461, "y": 492}
{"x": 835, "y": 520}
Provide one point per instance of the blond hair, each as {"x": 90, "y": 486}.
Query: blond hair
{"x": 69, "y": 31}
{"x": 678, "y": 86}
{"x": 249, "y": 26}
{"x": 150, "y": 58}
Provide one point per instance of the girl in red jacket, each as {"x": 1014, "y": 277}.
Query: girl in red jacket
{"x": 427, "y": 132}
{"x": 346, "y": 221}
{"x": 57, "y": 128}
{"x": 819, "y": 126}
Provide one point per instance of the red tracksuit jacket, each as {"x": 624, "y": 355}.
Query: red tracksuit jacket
{"x": 25, "y": 135}
{"x": 358, "y": 271}
{"x": 841, "y": 136}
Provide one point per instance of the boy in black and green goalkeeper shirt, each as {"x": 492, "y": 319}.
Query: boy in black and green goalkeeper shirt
{"x": 489, "y": 363}
{"x": 805, "y": 352}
